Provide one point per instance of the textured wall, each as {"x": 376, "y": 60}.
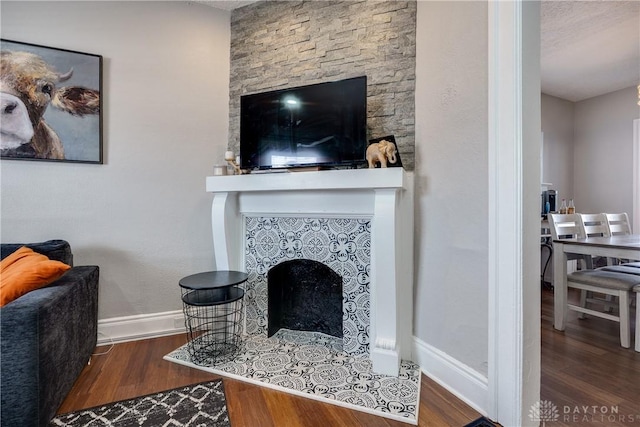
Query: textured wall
{"x": 603, "y": 137}
{"x": 451, "y": 184}
{"x": 275, "y": 45}
{"x": 144, "y": 216}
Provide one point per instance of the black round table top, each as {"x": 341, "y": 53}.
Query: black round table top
{"x": 213, "y": 279}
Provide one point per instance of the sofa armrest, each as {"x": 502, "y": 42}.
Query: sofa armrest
{"x": 46, "y": 338}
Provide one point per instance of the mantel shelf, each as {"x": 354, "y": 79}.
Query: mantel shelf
{"x": 344, "y": 179}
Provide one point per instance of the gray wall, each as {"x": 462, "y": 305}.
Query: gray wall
{"x": 557, "y": 126}
{"x": 275, "y": 45}
{"x": 143, "y": 216}
{"x": 588, "y": 150}
{"x": 603, "y": 152}
{"x": 451, "y": 214}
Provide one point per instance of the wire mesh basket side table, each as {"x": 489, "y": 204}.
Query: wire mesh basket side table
{"x": 212, "y": 304}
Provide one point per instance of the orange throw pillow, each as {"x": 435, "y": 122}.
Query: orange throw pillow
{"x": 24, "y": 271}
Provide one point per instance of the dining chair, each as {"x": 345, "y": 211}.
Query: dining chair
{"x": 595, "y": 225}
{"x": 568, "y": 226}
{"x": 616, "y": 284}
{"x": 636, "y": 289}
{"x": 618, "y": 223}
{"x": 632, "y": 268}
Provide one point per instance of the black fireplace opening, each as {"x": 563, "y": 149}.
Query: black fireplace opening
{"x": 304, "y": 295}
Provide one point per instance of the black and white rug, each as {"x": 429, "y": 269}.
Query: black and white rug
{"x": 313, "y": 365}
{"x": 195, "y": 405}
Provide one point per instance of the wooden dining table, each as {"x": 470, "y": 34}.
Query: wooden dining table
{"x": 622, "y": 246}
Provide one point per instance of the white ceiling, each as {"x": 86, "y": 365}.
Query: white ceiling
{"x": 588, "y": 48}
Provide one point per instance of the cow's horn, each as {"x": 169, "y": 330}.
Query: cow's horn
{"x": 66, "y": 76}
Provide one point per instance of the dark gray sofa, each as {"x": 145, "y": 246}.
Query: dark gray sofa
{"x": 46, "y": 338}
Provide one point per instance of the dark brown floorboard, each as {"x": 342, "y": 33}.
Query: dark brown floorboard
{"x": 586, "y": 374}
{"x": 582, "y": 367}
{"x": 136, "y": 368}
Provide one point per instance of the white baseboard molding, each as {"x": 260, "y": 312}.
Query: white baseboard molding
{"x": 465, "y": 383}
{"x": 138, "y": 327}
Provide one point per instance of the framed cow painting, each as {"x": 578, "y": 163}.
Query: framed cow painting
{"x": 50, "y": 104}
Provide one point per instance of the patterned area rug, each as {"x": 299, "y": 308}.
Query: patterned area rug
{"x": 195, "y": 405}
{"x": 313, "y": 365}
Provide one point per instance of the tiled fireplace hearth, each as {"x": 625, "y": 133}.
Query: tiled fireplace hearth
{"x": 357, "y": 222}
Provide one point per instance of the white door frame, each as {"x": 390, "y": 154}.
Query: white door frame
{"x": 513, "y": 379}
{"x": 636, "y": 176}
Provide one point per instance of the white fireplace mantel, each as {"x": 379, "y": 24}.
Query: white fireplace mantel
{"x": 384, "y": 195}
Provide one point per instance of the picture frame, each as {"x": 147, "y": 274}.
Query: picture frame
{"x": 51, "y": 104}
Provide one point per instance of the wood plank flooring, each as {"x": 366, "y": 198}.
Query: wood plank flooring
{"x": 136, "y": 368}
{"x": 585, "y": 372}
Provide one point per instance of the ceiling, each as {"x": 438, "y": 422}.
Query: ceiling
{"x": 588, "y": 48}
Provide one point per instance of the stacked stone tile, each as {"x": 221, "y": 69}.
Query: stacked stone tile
{"x": 276, "y": 45}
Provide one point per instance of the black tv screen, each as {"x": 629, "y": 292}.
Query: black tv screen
{"x": 324, "y": 124}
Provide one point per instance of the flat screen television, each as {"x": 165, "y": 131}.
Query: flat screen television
{"x": 322, "y": 125}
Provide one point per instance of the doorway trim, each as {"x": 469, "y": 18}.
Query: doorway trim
{"x": 514, "y": 343}
{"x": 636, "y": 176}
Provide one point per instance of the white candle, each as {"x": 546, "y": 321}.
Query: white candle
{"x": 219, "y": 170}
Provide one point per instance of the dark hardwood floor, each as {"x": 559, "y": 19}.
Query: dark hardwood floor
{"x": 136, "y": 368}
{"x": 585, "y": 373}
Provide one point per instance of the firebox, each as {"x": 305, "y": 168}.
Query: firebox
{"x": 304, "y": 295}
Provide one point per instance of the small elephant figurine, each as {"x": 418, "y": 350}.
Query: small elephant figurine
{"x": 381, "y": 152}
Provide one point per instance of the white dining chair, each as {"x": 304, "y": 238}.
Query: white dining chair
{"x": 612, "y": 283}
{"x": 615, "y": 286}
{"x": 636, "y": 289}
{"x": 568, "y": 226}
{"x": 632, "y": 268}
{"x": 595, "y": 225}
{"x": 618, "y": 223}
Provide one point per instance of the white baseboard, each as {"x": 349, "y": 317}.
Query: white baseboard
{"x": 138, "y": 327}
{"x": 465, "y": 383}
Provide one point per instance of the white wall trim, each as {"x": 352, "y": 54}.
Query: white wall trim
{"x": 141, "y": 326}
{"x": 506, "y": 330}
{"x": 465, "y": 383}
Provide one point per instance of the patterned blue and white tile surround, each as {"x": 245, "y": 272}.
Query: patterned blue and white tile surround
{"x": 312, "y": 364}
{"x": 344, "y": 244}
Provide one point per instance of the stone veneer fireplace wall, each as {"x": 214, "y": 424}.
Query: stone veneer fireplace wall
{"x": 343, "y": 244}
{"x": 278, "y": 44}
